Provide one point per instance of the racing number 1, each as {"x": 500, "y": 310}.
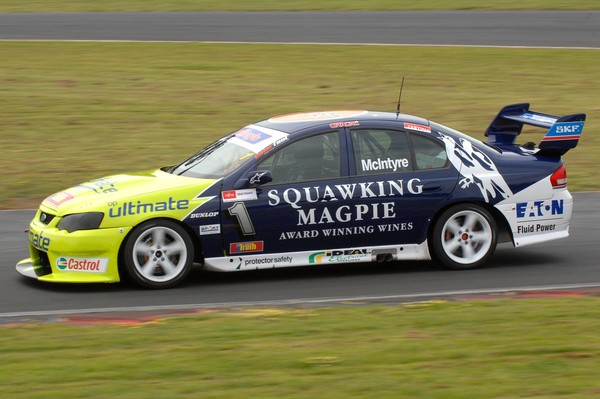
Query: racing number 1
{"x": 241, "y": 214}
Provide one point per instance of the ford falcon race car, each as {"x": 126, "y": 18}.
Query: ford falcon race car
{"x": 314, "y": 188}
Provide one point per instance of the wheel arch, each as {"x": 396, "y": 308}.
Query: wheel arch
{"x": 504, "y": 231}
{"x": 198, "y": 249}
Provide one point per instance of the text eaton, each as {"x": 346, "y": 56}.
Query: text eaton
{"x": 538, "y": 209}
{"x": 135, "y": 208}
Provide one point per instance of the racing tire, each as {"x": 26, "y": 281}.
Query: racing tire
{"x": 464, "y": 237}
{"x": 158, "y": 254}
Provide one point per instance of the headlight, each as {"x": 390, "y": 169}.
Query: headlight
{"x": 81, "y": 221}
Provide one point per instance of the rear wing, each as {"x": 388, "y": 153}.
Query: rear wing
{"x": 562, "y": 135}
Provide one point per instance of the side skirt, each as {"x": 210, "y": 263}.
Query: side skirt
{"x": 318, "y": 257}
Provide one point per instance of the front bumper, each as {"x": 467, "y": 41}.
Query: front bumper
{"x": 85, "y": 256}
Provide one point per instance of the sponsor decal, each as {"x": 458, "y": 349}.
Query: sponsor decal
{"x": 99, "y": 186}
{"x": 346, "y": 231}
{"x": 316, "y": 116}
{"x": 210, "y": 229}
{"x": 256, "y": 178}
{"x": 246, "y": 247}
{"x": 339, "y": 256}
{"x": 263, "y": 151}
{"x": 564, "y": 131}
{"x": 135, "y": 208}
{"x": 535, "y": 228}
{"x": 389, "y": 188}
{"x": 258, "y": 139}
{"x": 39, "y": 241}
{"x": 297, "y": 235}
{"x": 269, "y": 147}
{"x": 201, "y": 215}
{"x": 335, "y": 125}
{"x": 281, "y": 140}
{"x": 265, "y": 262}
{"x": 317, "y": 257}
{"x": 384, "y": 164}
{"x": 476, "y": 168}
{"x": 239, "y": 195}
{"x": 251, "y": 135}
{"x": 59, "y": 198}
{"x": 345, "y": 213}
{"x": 417, "y": 127}
{"x": 540, "y": 209}
{"x": 82, "y": 265}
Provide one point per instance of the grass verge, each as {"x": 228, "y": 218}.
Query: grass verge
{"x": 486, "y": 349}
{"x": 76, "y": 111}
{"x": 291, "y": 5}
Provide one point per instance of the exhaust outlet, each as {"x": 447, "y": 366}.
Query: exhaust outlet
{"x": 385, "y": 255}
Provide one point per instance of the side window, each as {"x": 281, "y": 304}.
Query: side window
{"x": 313, "y": 158}
{"x": 429, "y": 154}
{"x": 380, "y": 151}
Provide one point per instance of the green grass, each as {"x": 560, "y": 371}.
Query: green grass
{"x": 71, "y": 112}
{"x": 487, "y": 349}
{"x": 289, "y": 5}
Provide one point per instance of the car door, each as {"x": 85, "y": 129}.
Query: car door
{"x": 401, "y": 178}
{"x": 299, "y": 209}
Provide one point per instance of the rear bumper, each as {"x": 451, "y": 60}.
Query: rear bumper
{"x": 539, "y": 220}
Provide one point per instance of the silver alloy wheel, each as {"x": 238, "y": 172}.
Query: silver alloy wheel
{"x": 467, "y": 237}
{"x": 160, "y": 254}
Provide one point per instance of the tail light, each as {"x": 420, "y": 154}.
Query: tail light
{"x": 559, "y": 178}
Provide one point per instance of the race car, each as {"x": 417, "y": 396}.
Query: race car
{"x": 314, "y": 189}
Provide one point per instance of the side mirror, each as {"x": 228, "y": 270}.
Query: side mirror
{"x": 259, "y": 177}
{"x": 254, "y": 179}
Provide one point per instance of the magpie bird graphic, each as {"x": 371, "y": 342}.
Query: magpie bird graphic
{"x": 476, "y": 168}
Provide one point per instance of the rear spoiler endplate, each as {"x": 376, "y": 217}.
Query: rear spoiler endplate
{"x": 562, "y": 135}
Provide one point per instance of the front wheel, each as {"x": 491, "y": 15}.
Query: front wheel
{"x": 158, "y": 254}
{"x": 464, "y": 237}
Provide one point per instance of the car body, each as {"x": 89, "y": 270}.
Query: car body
{"x": 314, "y": 188}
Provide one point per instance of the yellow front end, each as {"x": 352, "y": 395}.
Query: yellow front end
{"x": 84, "y": 256}
{"x": 105, "y": 211}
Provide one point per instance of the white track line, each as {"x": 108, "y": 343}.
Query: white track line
{"x": 299, "y": 301}
{"x": 303, "y": 43}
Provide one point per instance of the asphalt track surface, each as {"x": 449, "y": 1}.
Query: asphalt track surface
{"x": 567, "y": 263}
{"x": 485, "y": 28}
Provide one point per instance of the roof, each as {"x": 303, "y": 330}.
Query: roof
{"x": 291, "y": 123}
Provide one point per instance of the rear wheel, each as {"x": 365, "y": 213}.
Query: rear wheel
{"x": 464, "y": 237}
{"x": 158, "y": 254}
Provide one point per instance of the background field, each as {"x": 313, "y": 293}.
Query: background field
{"x": 71, "y": 112}
{"x": 487, "y": 349}
{"x": 289, "y": 5}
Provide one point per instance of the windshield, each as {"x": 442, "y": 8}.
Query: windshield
{"x": 228, "y": 154}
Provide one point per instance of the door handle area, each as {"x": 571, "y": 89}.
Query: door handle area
{"x": 432, "y": 188}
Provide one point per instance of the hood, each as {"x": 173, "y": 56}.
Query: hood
{"x": 112, "y": 190}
